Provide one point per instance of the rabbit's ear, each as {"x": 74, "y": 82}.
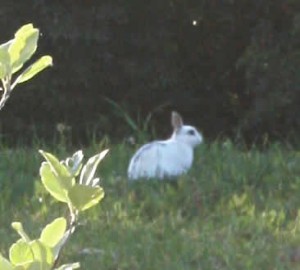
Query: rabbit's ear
{"x": 176, "y": 121}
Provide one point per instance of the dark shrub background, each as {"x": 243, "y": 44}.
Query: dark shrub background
{"x": 230, "y": 67}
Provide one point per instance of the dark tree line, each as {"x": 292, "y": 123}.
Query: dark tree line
{"x": 230, "y": 67}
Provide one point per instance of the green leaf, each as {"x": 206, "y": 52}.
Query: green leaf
{"x": 56, "y": 249}
{"x": 41, "y": 252}
{"x": 74, "y": 163}
{"x": 23, "y": 46}
{"x": 6, "y": 45}
{"x": 57, "y": 167}
{"x": 34, "y": 255}
{"x": 5, "y": 264}
{"x": 4, "y": 62}
{"x": 20, "y": 253}
{"x": 20, "y": 230}
{"x": 89, "y": 169}
{"x": 69, "y": 266}
{"x": 56, "y": 177}
{"x": 83, "y": 197}
{"x": 54, "y": 232}
{"x": 37, "y": 266}
{"x": 55, "y": 185}
{"x": 35, "y": 68}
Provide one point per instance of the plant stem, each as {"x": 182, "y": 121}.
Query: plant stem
{"x": 73, "y": 215}
{"x": 6, "y": 91}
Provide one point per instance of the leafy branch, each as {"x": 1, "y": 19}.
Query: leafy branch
{"x": 14, "y": 54}
{"x": 58, "y": 177}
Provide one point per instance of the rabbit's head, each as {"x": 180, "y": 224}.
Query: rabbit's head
{"x": 184, "y": 133}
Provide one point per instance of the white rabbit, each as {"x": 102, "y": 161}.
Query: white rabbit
{"x": 168, "y": 158}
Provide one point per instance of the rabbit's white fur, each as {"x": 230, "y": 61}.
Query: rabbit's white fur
{"x": 168, "y": 158}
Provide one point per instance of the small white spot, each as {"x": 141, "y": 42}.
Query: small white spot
{"x": 195, "y": 22}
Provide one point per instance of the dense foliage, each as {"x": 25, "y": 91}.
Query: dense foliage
{"x": 230, "y": 67}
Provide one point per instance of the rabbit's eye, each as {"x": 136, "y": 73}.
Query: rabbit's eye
{"x": 191, "y": 132}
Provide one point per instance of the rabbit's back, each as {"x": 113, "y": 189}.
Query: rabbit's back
{"x": 160, "y": 159}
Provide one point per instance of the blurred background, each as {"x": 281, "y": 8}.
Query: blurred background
{"x": 231, "y": 68}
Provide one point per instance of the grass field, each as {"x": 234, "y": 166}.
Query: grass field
{"x": 234, "y": 210}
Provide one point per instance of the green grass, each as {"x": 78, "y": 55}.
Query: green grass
{"x": 234, "y": 210}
